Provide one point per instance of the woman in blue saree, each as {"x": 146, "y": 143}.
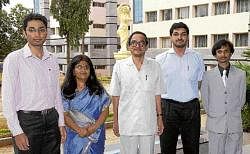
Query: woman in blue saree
{"x": 86, "y": 106}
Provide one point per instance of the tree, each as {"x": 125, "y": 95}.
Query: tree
{"x": 17, "y": 15}
{"x": 73, "y": 18}
{"x": 3, "y": 3}
{"x": 5, "y": 30}
{"x": 11, "y": 29}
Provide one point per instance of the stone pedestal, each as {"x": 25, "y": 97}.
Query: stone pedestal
{"x": 121, "y": 55}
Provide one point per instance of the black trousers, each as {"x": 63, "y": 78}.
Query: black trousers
{"x": 42, "y": 131}
{"x": 180, "y": 118}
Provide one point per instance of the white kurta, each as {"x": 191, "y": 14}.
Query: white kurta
{"x": 137, "y": 91}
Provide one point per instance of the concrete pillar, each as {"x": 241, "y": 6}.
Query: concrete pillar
{"x": 111, "y": 28}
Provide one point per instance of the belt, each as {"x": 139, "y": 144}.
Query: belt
{"x": 174, "y": 101}
{"x": 42, "y": 112}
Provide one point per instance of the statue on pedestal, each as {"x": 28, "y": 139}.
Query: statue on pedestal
{"x": 123, "y": 13}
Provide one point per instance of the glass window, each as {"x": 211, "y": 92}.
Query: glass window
{"x": 97, "y": 4}
{"x": 53, "y": 31}
{"x": 221, "y": 8}
{"x": 137, "y": 11}
{"x": 52, "y": 48}
{"x": 99, "y": 46}
{"x": 241, "y": 40}
{"x": 166, "y": 42}
{"x": 166, "y": 14}
{"x": 102, "y": 26}
{"x": 58, "y": 49}
{"x": 151, "y": 16}
{"x": 100, "y": 67}
{"x": 219, "y": 37}
{"x": 152, "y": 42}
{"x": 200, "y": 41}
{"x": 242, "y": 6}
{"x": 201, "y": 10}
{"x": 182, "y": 12}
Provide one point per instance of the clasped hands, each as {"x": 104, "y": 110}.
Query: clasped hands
{"x": 86, "y": 130}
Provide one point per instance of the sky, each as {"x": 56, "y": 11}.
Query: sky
{"x": 25, "y": 3}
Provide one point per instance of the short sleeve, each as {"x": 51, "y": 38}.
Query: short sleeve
{"x": 115, "y": 87}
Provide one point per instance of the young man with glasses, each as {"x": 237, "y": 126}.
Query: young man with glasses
{"x": 182, "y": 70}
{"x": 136, "y": 87}
{"x": 31, "y": 94}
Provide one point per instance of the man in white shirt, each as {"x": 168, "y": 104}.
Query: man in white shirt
{"x": 182, "y": 70}
{"x": 31, "y": 94}
{"x": 136, "y": 87}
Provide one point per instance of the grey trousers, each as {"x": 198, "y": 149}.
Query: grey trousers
{"x": 225, "y": 143}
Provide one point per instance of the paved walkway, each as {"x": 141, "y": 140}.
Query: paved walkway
{"x": 112, "y": 143}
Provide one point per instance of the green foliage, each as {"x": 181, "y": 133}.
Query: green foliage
{"x": 246, "y": 53}
{"x": 4, "y": 132}
{"x": 245, "y": 114}
{"x": 11, "y": 29}
{"x": 3, "y": 3}
{"x": 73, "y": 18}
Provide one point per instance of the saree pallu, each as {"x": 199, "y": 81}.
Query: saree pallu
{"x": 91, "y": 106}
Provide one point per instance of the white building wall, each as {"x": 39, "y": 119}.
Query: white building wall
{"x": 212, "y": 24}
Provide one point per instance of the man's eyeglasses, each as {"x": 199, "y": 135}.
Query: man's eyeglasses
{"x": 40, "y": 30}
{"x": 139, "y": 43}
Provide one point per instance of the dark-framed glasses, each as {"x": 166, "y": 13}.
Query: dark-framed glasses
{"x": 139, "y": 43}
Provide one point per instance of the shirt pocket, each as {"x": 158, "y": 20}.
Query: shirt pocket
{"x": 53, "y": 77}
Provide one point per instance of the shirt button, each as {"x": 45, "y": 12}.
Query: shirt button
{"x": 225, "y": 92}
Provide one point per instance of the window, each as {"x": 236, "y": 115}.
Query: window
{"x": 166, "y": 14}
{"x": 182, "y": 12}
{"x": 219, "y": 37}
{"x": 100, "y": 67}
{"x": 99, "y": 46}
{"x": 241, "y": 40}
{"x": 57, "y": 30}
{"x": 58, "y": 49}
{"x": 52, "y": 48}
{"x": 137, "y": 11}
{"x": 166, "y": 42}
{"x": 152, "y": 42}
{"x": 102, "y": 26}
{"x": 242, "y": 6}
{"x": 201, "y": 10}
{"x": 53, "y": 31}
{"x": 97, "y": 4}
{"x": 200, "y": 41}
{"x": 151, "y": 16}
{"x": 221, "y": 8}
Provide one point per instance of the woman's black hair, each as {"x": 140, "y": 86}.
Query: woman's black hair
{"x": 69, "y": 84}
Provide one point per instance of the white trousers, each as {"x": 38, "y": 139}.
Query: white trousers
{"x": 226, "y": 143}
{"x": 139, "y": 144}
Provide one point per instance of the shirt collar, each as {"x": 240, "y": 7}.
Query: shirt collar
{"x": 221, "y": 70}
{"x": 27, "y": 52}
{"x": 171, "y": 51}
{"x": 131, "y": 63}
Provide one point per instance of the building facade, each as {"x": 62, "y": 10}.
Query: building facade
{"x": 208, "y": 20}
{"x": 99, "y": 42}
